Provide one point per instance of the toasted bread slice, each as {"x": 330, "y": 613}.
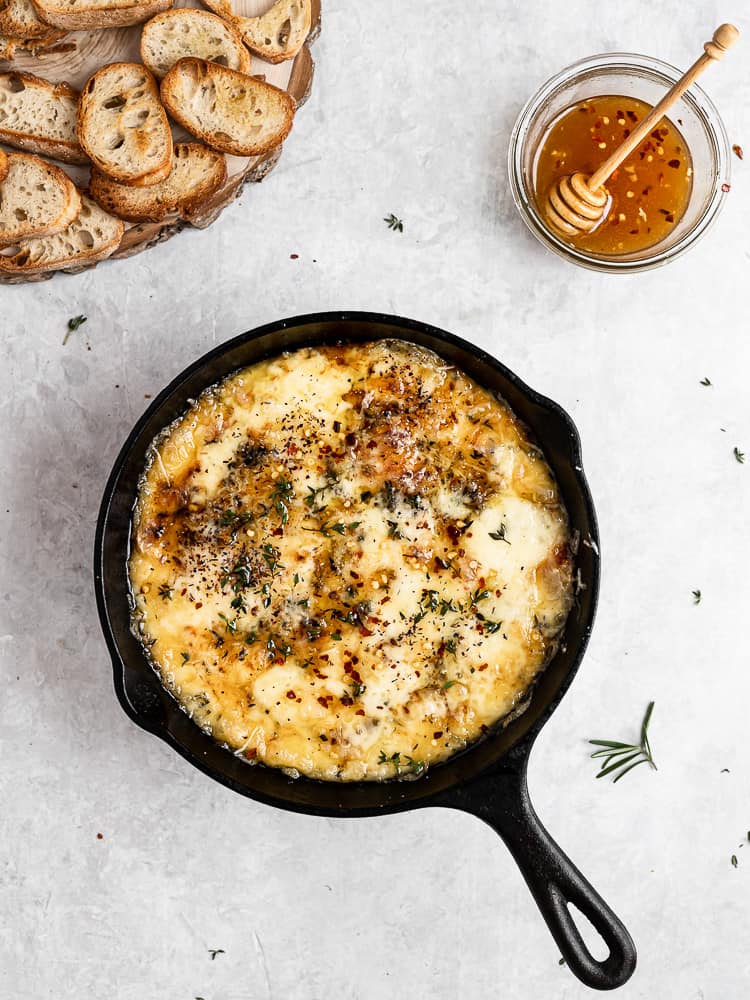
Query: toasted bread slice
{"x": 94, "y": 235}
{"x": 177, "y": 34}
{"x": 122, "y": 126}
{"x": 10, "y": 44}
{"x": 3, "y": 166}
{"x": 75, "y": 15}
{"x": 39, "y": 116}
{"x": 36, "y": 199}
{"x": 197, "y": 173}
{"x": 229, "y": 111}
{"x": 19, "y": 18}
{"x": 280, "y": 33}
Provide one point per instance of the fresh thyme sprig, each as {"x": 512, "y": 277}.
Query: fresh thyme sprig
{"x": 623, "y": 757}
{"x": 415, "y": 767}
{"x": 739, "y": 455}
{"x": 500, "y": 534}
{"x": 697, "y": 596}
{"x": 394, "y": 223}
{"x": 281, "y": 494}
{"x": 340, "y": 529}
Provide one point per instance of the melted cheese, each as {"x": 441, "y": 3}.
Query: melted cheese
{"x": 349, "y": 562}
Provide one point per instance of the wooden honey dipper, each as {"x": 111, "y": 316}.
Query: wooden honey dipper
{"x": 576, "y": 204}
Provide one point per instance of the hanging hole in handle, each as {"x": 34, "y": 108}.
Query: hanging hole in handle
{"x": 597, "y": 946}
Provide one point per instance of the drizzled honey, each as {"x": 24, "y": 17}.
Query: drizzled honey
{"x": 649, "y": 192}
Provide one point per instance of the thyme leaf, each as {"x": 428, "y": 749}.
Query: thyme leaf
{"x": 73, "y": 323}
{"x": 394, "y": 223}
{"x": 500, "y": 534}
{"x": 696, "y": 596}
{"x": 739, "y": 455}
{"x": 281, "y": 494}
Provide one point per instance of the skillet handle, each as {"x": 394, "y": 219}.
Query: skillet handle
{"x": 502, "y": 801}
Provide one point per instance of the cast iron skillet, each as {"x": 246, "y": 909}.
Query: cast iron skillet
{"x": 488, "y": 779}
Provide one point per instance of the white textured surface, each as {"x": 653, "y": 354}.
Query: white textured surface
{"x": 411, "y": 114}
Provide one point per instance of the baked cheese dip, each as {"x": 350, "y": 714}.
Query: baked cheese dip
{"x": 349, "y": 561}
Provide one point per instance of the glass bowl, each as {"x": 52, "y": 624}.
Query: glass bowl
{"x": 647, "y": 79}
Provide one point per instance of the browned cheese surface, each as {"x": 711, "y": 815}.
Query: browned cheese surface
{"x": 349, "y": 562}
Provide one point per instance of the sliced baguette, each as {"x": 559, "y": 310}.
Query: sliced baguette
{"x": 229, "y": 111}
{"x": 75, "y": 15}
{"x": 94, "y": 235}
{"x": 36, "y": 199}
{"x": 122, "y": 126}
{"x": 19, "y": 18}
{"x": 10, "y": 44}
{"x": 39, "y": 116}
{"x": 197, "y": 173}
{"x": 176, "y": 34}
{"x": 280, "y": 33}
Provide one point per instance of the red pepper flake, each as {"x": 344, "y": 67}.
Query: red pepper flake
{"x": 726, "y": 188}
{"x": 437, "y": 735}
{"x": 100, "y": 836}
{"x": 737, "y": 150}
{"x": 291, "y": 695}
{"x": 293, "y": 256}
{"x": 673, "y": 163}
{"x": 198, "y": 605}
{"x": 324, "y": 699}
{"x": 346, "y": 700}
{"x": 251, "y": 754}
{"x": 632, "y": 116}
{"x": 360, "y": 711}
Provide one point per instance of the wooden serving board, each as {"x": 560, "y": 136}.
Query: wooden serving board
{"x": 81, "y": 53}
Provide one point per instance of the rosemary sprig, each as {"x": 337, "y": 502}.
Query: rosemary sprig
{"x": 623, "y": 757}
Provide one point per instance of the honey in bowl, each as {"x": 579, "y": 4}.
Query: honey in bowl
{"x": 649, "y": 192}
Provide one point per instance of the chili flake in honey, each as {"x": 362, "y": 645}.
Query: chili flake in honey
{"x": 649, "y": 192}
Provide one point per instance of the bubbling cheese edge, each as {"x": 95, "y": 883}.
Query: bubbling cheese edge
{"x": 349, "y": 561}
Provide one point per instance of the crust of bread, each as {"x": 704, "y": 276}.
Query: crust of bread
{"x": 71, "y": 202}
{"x": 197, "y": 173}
{"x": 9, "y": 44}
{"x": 58, "y": 149}
{"x": 82, "y": 15}
{"x": 3, "y": 166}
{"x": 264, "y": 35}
{"x": 136, "y": 98}
{"x": 191, "y": 17}
{"x": 69, "y": 248}
{"x": 189, "y": 76}
{"x": 19, "y": 19}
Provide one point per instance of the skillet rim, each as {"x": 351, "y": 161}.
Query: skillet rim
{"x": 157, "y": 708}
